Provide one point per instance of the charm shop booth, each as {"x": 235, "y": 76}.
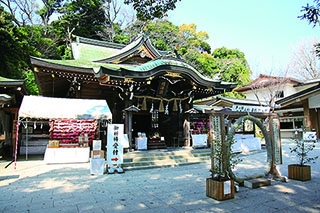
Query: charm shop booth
{"x": 62, "y": 129}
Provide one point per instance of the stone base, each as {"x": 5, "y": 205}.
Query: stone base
{"x": 257, "y": 183}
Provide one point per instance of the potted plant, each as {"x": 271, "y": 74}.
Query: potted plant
{"x": 220, "y": 185}
{"x": 302, "y": 149}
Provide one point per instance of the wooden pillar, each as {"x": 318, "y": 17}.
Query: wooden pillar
{"x": 306, "y": 111}
{"x": 314, "y": 120}
{"x": 128, "y": 123}
{"x": 128, "y": 127}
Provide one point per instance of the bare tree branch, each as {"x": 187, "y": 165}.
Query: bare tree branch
{"x": 304, "y": 63}
{"x": 22, "y": 10}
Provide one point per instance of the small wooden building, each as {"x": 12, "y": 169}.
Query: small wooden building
{"x": 11, "y": 94}
{"x": 309, "y": 101}
{"x": 146, "y": 89}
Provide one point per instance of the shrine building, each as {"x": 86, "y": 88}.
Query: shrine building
{"x": 147, "y": 90}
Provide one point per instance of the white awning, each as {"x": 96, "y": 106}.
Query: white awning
{"x": 64, "y": 108}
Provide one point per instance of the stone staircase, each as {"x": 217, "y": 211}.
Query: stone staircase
{"x": 164, "y": 158}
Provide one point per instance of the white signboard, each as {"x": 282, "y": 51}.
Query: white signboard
{"x": 245, "y": 108}
{"x": 114, "y": 145}
{"x": 310, "y": 136}
{"x": 227, "y": 187}
{"x": 96, "y": 145}
{"x": 199, "y": 140}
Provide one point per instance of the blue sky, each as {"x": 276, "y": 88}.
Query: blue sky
{"x": 266, "y": 31}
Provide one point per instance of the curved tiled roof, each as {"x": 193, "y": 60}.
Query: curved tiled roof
{"x": 131, "y": 48}
{"x": 265, "y": 81}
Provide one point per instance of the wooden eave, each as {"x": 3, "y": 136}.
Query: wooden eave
{"x": 299, "y": 96}
{"x": 39, "y": 63}
{"x": 223, "y": 103}
{"x": 49, "y": 75}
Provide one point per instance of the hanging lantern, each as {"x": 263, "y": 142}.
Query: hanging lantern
{"x": 161, "y": 108}
{"x": 175, "y": 106}
{"x": 144, "y": 104}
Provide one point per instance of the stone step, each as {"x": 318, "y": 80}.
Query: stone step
{"x": 164, "y": 157}
{"x": 167, "y": 158}
{"x": 166, "y": 163}
{"x": 164, "y": 152}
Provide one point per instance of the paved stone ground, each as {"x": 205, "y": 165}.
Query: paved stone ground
{"x": 37, "y": 187}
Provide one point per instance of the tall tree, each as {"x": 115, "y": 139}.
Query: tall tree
{"x": 15, "y": 51}
{"x": 22, "y": 11}
{"x": 228, "y": 65}
{"x": 50, "y": 6}
{"x": 82, "y": 17}
{"x": 151, "y": 9}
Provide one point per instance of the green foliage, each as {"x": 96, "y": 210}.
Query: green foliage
{"x": 226, "y": 64}
{"x": 14, "y": 48}
{"x": 223, "y": 158}
{"x": 87, "y": 18}
{"x": 31, "y": 83}
{"x": 151, "y": 9}
{"x": 50, "y": 6}
{"x": 81, "y": 17}
{"x": 311, "y": 13}
{"x": 163, "y": 34}
{"x": 233, "y": 68}
{"x": 205, "y": 47}
{"x": 302, "y": 149}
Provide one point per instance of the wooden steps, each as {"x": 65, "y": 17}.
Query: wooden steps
{"x": 164, "y": 158}
{"x": 156, "y": 144}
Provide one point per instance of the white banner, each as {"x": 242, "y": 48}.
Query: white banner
{"x": 114, "y": 145}
{"x": 245, "y": 108}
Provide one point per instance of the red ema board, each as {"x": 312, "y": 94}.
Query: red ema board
{"x": 73, "y": 132}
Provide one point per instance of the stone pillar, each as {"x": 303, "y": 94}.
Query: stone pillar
{"x": 186, "y": 131}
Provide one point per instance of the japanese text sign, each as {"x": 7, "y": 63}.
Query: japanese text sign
{"x": 114, "y": 145}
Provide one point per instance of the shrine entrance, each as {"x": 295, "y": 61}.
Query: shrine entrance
{"x": 157, "y": 128}
{"x": 141, "y": 124}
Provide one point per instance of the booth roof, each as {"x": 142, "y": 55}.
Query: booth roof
{"x": 64, "y": 108}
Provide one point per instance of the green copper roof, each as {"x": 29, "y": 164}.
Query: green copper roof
{"x": 155, "y": 63}
{"x": 83, "y": 63}
{"x": 92, "y": 53}
{"x": 8, "y": 79}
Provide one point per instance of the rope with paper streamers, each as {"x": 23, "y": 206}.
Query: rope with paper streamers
{"x": 164, "y": 99}
{"x": 161, "y": 107}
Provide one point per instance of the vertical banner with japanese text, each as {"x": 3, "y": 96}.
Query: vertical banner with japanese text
{"x": 275, "y": 124}
{"x": 114, "y": 145}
